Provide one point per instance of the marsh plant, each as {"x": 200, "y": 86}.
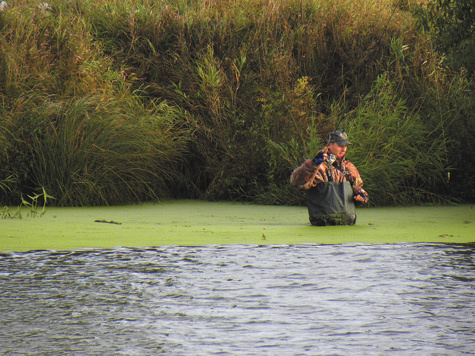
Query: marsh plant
{"x": 94, "y": 150}
{"x": 108, "y": 102}
{"x": 32, "y": 203}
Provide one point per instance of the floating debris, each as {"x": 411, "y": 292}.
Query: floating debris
{"x": 108, "y": 222}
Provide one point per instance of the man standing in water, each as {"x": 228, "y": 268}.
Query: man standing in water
{"x": 332, "y": 184}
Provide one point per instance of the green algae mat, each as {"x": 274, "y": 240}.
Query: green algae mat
{"x": 193, "y": 222}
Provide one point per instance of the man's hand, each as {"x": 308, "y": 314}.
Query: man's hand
{"x": 360, "y": 198}
{"x": 320, "y": 157}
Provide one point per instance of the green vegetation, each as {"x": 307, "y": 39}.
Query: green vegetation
{"x": 197, "y": 223}
{"x": 451, "y": 25}
{"x": 111, "y": 102}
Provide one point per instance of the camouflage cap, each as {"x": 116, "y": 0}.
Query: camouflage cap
{"x": 338, "y": 137}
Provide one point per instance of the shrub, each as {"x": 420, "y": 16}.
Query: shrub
{"x": 106, "y": 102}
{"x": 451, "y": 25}
{"x": 399, "y": 158}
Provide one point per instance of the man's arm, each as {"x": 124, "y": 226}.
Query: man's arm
{"x": 309, "y": 174}
{"x": 303, "y": 176}
{"x": 359, "y": 194}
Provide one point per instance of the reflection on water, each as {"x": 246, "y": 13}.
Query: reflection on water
{"x": 240, "y": 300}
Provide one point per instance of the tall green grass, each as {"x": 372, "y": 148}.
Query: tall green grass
{"x": 71, "y": 124}
{"x": 100, "y": 150}
{"x": 92, "y": 151}
{"x": 106, "y": 102}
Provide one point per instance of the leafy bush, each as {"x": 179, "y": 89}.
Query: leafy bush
{"x": 451, "y": 25}
{"x": 108, "y": 102}
{"x": 400, "y": 160}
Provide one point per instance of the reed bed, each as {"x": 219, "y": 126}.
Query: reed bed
{"x": 107, "y": 102}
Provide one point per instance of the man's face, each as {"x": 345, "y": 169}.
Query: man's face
{"x": 337, "y": 150}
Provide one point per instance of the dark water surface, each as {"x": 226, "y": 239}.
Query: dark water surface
{"x": 408, "y": 299}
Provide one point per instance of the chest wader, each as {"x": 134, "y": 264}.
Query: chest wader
{"x": 331, "y": 203}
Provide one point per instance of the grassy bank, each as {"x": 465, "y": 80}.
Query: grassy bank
{"x": 192, "y": 223}
{"x": 108, "y": 102}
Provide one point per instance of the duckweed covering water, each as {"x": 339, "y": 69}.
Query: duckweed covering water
{"x": 194, "y": 223}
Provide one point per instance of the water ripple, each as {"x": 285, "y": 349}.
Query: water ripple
{"x": 241, "y": 300}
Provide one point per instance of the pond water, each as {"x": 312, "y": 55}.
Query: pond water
{"x": 307, "y": 299}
